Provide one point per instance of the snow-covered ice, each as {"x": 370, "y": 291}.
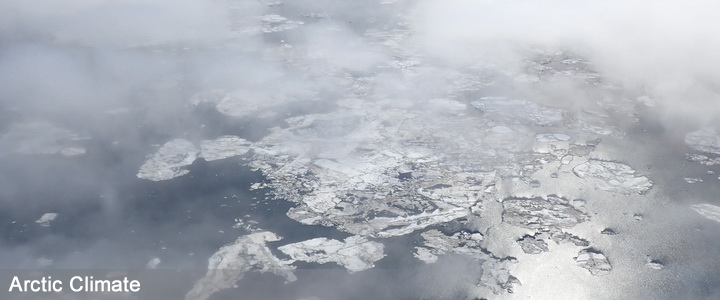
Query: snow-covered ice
{"x": 546, "y": 214}
{"x": 593, "y": 261}
{"x": 355, "y": 253}
{"x": 612, "y": 176}
{"x": 223, "y": 147}
{"x": 169, "y": 161}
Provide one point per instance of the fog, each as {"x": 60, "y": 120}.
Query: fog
{"x": 120, "y": 78}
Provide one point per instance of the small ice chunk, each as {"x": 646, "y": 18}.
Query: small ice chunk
{"x": 594, "y": 261}
{"x": 43, "y": 262}
{"x": 693, "y": 179}
{"x": 533, "y": 245}
{"x": 709, "y": 211}
{"x": 638, "y": 217}
{"x": 153, "y": 263}
{"x": 608, "y": 231}
{"x": 655, "y": 265}
{"x": 46, "y": 219}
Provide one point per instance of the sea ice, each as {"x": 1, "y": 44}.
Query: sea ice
{"x": 612, "y": 176}
{"x": 532, "y": 245}
{"x": 496, "y": 271}
{"x": 46, "y": 219}
{"x": 594, "y": 261}
{"x": 709, "y": 211}
{"x": 704, "y": 140}
{"x": 231, "y": 262}
{"x": 223, "y": 147}
{"x": 521, "y": 112}
{"x": 168, "y": 161}
{"x": 355, "y": 253}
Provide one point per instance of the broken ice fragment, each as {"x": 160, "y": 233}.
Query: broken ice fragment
{"x": 709, "y": 211}
{"x": 654, "y": 264}
{"x": 608, "y": 231}
{"x": 693, "y": 180}
{"x": 594, "y": 261}
{"x": 538, "y": 213}
{"x": 532, "y": 245}
{"x": 168, "y": 161}
{"x": 46, "y": 219}
{"x": 612, "y": 176}
{"x": 153, "y": 263}
{"x": 355, "y": 253}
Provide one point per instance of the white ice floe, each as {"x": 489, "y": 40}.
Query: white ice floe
{"x": 231, "y": 262}
{"x": 709, "y": 211}
{"x": 612, "y": 176}
{"x": 223, "y": 147}
{"x": 46, "y": 219}
{"x": 169, "y": 161}
{"x": 593, "y": 261}
{"x": 355, "y": 253}
{"x": 704, "y": 140}
{"x": 521, "y": 112}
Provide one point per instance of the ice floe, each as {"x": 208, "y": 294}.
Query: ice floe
{"x": 545, "y": 214}
{"x": 169, "y": 161}
{"x": 704, "y": 140}
{"x": 594, "y": 261}
{"x": 355, "y": 253}
{"x": 612, "y": 176}
{"x": 709, "y": 211}
{"x": 496, "y": 271}
{"x": 223, "y": 147}
{"x": 248, "y": 253}
{"x": 46, "y": 219}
